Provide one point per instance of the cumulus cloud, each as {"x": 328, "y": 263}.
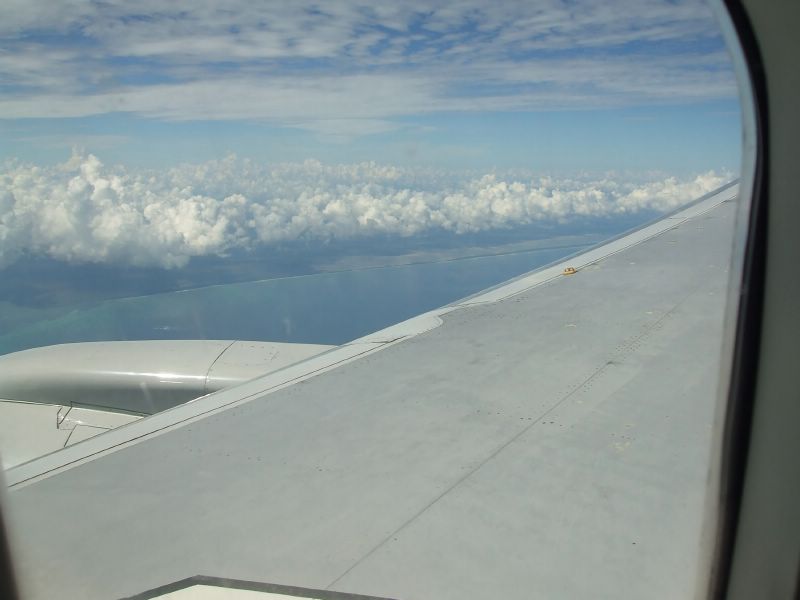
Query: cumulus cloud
{"x": 83, "y": 211}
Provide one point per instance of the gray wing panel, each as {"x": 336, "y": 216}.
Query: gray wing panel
{"x": 553, "y": 443}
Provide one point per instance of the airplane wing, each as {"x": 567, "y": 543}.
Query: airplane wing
{"x": 547, "y": 438}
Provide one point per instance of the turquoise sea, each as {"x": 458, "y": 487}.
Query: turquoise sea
{"x": 323, "y": 308}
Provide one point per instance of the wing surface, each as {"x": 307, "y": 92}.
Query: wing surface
{"x": 549, "y": 438}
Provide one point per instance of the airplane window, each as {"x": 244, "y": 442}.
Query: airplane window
{"x": 194, "y": 196}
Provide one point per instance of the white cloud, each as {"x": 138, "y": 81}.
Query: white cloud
{"x": 297, "y": 62}
{"x": 83, "y": 211}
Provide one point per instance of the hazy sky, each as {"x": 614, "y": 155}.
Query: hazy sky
{"x": 545, "y": 85}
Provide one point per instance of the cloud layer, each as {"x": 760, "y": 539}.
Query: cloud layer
{"x": 354, "y": 66}
{"x": 83, "y": 211}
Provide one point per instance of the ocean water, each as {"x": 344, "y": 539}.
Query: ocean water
{"x": 322, "y": 308}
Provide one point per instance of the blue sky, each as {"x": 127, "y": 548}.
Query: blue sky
{"x": 551, "y": 86}
{"x": 149, "y": 133}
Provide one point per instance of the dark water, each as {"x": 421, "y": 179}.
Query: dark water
{"x": 325, "y": 308}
